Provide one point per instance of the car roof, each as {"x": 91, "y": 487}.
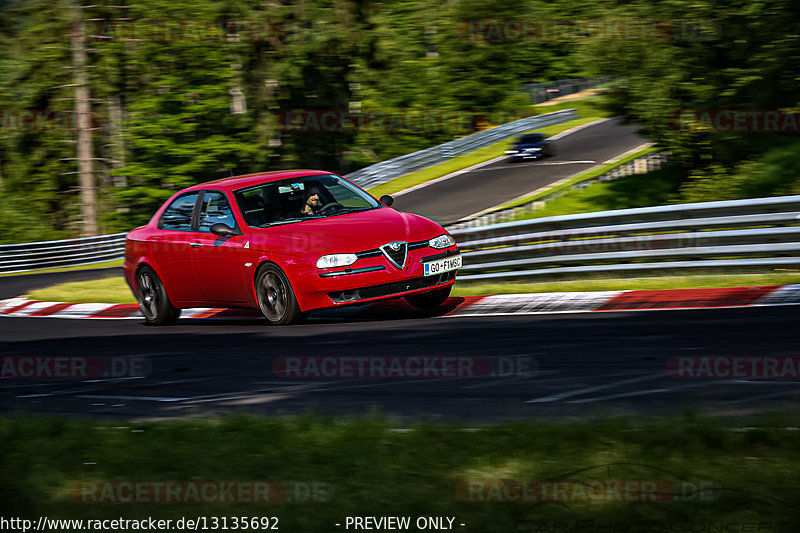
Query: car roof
{"x": 247, "y": 180}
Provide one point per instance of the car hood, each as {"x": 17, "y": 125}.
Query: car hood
{"x": 349, "y": 233}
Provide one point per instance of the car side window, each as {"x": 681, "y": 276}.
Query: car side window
{"x": 215, "y": 209}
{"x": 178, "y": 216}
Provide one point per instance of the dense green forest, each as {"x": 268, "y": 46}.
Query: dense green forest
{"x": 184, "y": 91}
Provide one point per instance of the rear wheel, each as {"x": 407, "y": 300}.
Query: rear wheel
{"x": 153, "y": 300}
{"x": 429, "y": 300}
{"x": 276, "y": 299}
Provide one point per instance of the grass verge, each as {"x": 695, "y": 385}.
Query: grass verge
{"x": 610, "y": 471}
{"x": 700, "y": 281}
{"x": 112, "y": 290}
{"x": 588, "y": 110}
{"x": 115, "y": 290}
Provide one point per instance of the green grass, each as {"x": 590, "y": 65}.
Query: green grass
{"x": 588, "y": 110}
{"x": 106, "y": 264}
{"x": 658, "y": 187}
{"x": 689, "y": 281}
{"x": 107, "y": 290}
{"x": 583, "y": 176}
{"x": 368, "y": 468}
{"x": 585, "y": 107}
{"x": 115, "y": 290}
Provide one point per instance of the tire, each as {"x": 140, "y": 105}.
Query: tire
{"x": 153, "y": 300}
{"x": 275, "y": 296}
{"x": 429, "y": 300}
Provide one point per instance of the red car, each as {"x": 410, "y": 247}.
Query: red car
{"x": 285, "y": 243}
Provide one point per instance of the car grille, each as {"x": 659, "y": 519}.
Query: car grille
{"x": 398, "y": 257}
{"x": 377, "y": 251}
{"x": 388, "y": 289}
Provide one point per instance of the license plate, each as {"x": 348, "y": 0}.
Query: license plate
{"x": 442, "y": 265}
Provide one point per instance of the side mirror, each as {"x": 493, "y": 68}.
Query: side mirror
{"x": 223, "y": 230}
{"x": 386, "y": 199}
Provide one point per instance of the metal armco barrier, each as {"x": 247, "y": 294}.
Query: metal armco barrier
{"x": 390, "y": 169}
{"x": 757, "y": 232}
{"x": 63, "y": 253}
{"x": 542, "y": 92}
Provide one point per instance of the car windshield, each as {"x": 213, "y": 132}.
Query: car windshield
{"x": 530, "y": 139}
{"x": 297, "y": 199}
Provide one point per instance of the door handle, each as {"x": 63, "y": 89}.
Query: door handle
{"x": 195, "y": 245}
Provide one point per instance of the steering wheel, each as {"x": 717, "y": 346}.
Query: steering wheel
{"x": 330, "y": 205}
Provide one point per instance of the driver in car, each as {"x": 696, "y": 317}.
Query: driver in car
{"x": 312, "y": 203}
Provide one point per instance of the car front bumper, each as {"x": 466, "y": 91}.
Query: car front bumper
{"x": 527, "y": 155}
{"x": 371, "y": 279}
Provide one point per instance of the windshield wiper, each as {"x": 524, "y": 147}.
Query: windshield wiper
{"x": 281, "y": 222}
{"x": 292, "y": 220}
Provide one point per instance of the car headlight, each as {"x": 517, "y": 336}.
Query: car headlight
{"x": 336, "y": 260}
{"x": 442, "y": 241}
{"x": 532, "y": 149}
{"x": 512, "y": 151}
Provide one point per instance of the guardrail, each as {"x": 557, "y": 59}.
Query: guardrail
{"x": 640, "y": 165}
{"x": 759, "y": 232}
{"x": 542, "y": 92}
{"x": 390, "y": 169}
{"x": 56, "y": 254}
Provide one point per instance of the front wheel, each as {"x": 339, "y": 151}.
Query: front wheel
{"x": 429, "y": 300}
{"x": 276, "y": 299}
{"x": 153, "y": 300}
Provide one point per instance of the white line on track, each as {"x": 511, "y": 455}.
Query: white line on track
{"x": 131, "y": 398}
{"x": 578, "y": 392}
{"x": 504, "y": 381}
{"x": 629, "y": 152}
{"x": 642, "y": 392}
{"x": 448, "y": 176}
{"x": 541, "y": 164}
{"x": 525, "y": 313}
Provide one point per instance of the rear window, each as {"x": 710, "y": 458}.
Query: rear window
{"x": 178, "y": 216}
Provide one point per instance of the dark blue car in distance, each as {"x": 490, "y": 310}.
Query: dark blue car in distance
{"x": 531, "y": 146}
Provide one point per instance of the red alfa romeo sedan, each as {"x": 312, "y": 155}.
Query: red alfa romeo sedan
{"x": 286, "y": 243}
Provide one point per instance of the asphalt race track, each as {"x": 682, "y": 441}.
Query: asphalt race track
{"x": 485, "y": 187}
{"x": 537, "y": 366}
